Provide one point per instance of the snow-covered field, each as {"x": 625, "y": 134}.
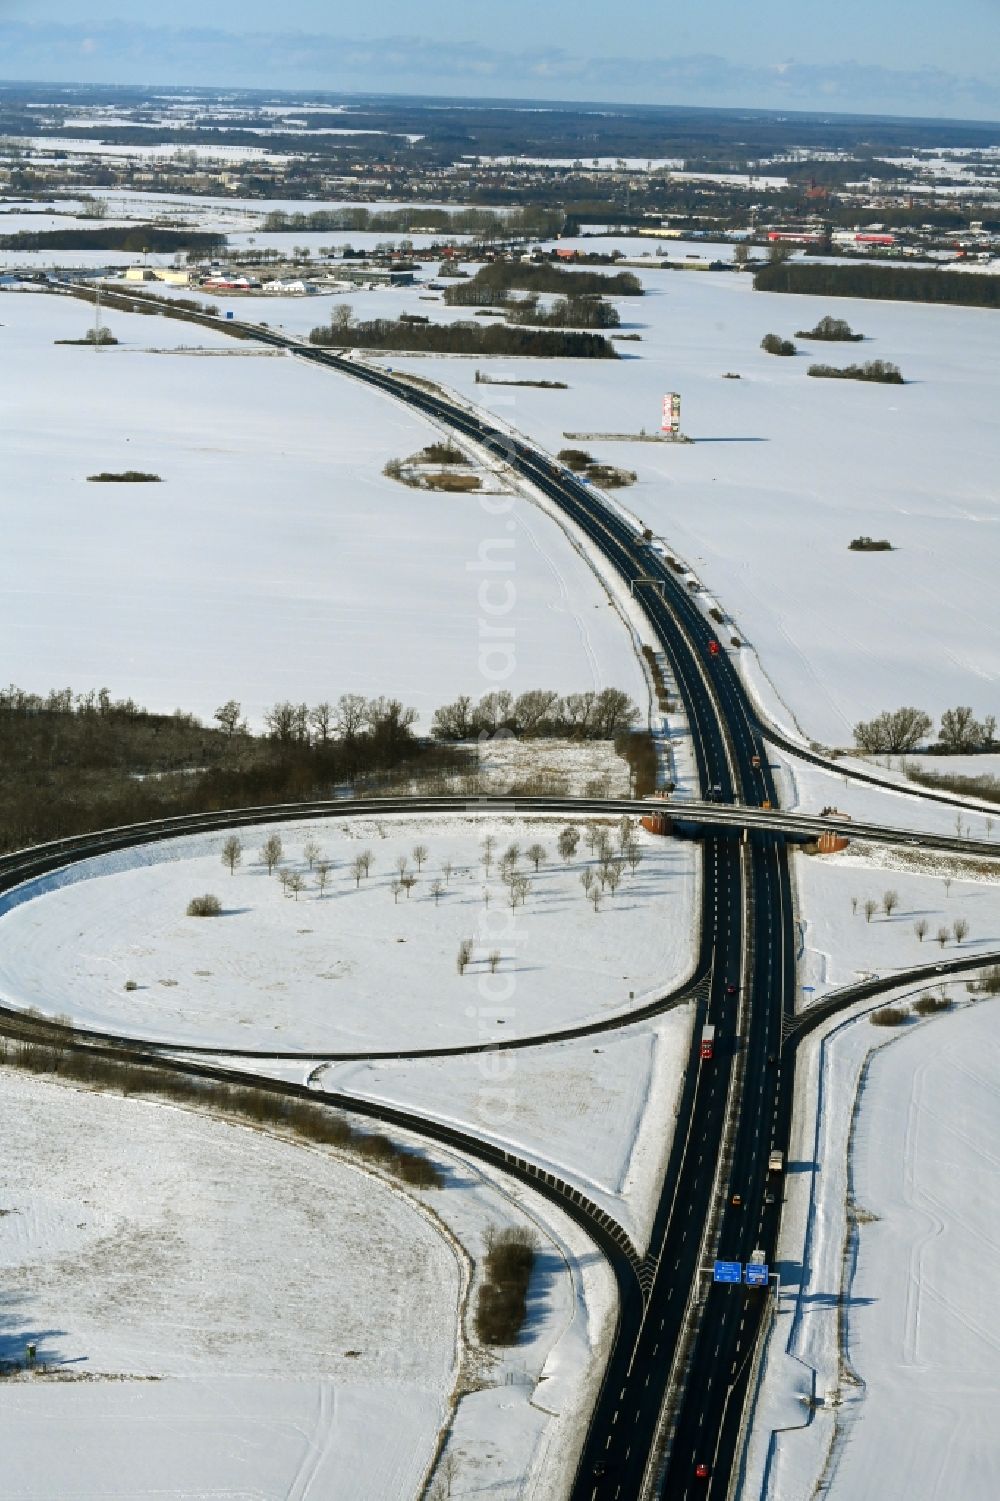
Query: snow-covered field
{"x": 881, "y": 1372}
{"x": 276, "y": 561}
{"x": 599, "y": 1111}
{"x": 840, "y": 942}
{"x": 359, "y": 967}
{"x": 786, "y": 470}
{"x": 221, "y": 1312}
{"x": 229, "y": 1314}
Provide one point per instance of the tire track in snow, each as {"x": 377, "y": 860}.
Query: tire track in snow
{"x": 566, "y": 599}
{"x": 317, "y": 1447}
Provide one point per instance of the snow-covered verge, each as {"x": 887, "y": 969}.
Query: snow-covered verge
{"x": 804, "y": 787}
{"x": 597, "y": 1112}
{"x": 358, "y": 967}
{"x": 839, "y": 941}
{"x": 880, "y": 1373}
{"x": 221, "y": 1312}
{"x": 340, "y": 580}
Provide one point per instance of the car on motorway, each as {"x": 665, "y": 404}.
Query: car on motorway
{"x": 701, "y": 1470}
{"x": 713, "y": 647}
{"x": 737, "y": 1201}
{"x": 731, "y": 989}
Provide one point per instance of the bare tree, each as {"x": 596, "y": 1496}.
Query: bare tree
{"x": 401, "y": 864}
{"x": 271, "y": 852}
{"x": 321, "y": 720}
{"x": 633, "y": 854}
{"x": 284, "y": 876}
{"x": 349, "y": 715}
{"x": 613, "y": 875}
{"x": 626, "y": 832}
{"x": 447, "y": 870}
{"x": 311, "y": 852}
{"x": 232, "y": 853}
{"x": 420, "y": 853}
{"x": 464, "y": 955}
{"x": 871, "y": 907}
{"x": 512, "y": 853}
{"x": 587, "y": 880}
{"x": 569, "y": 838}
{"x": 960, "y": 928}
{"x": 946, "y": 883}
{"x": 367, "y": 859}
{"x": 494, "y": 960}
{"x": 536, "y": 854}
{"x": 920, "y": 928}
{"x": 358, "y": 870}
{"x": 408, "y": 881}
{"x": 437, "y": 890}
{"x": 854, "y": 905}
{"x": 605, "y": 848}
{"x": 595, "y": 897}
{"x": 322, "y": 876}
{"x": 942, "y": 936}
{"x": 230, "y": 717}
{"x": 890, "y": 901}
{"x": 521, "y": 886}
{"x": 396, "y": 888}
{"x": 489, "y": 844}
{"x": 593, "y": 833}
{"x": 295, "y": 884}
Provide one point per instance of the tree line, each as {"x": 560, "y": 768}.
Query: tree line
{"x": 489, "y": 286}
{"x": 592, "y": 715}
{"x": 539, "y": 222}
{"x": 135, "y": 238}
{"x": 897, "y": 731}
{"x": 74, "y": 762}
{"x": 460, "y": 338}
{"x": 898, "y": 283}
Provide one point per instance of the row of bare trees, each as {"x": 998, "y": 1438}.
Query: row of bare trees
{"x": 897, "y": 731}
{"x": 591, "y": 715}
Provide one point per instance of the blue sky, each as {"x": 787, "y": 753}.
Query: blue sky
{"x": 878, "y": 56}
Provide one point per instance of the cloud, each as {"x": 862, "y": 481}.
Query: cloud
{"x": 131, "y": 53}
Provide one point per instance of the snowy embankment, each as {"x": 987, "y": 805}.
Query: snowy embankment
{"x": 357, "y": 966}
{"x": 343, "y": 579}
{"x": 806, "y": 788}
{"x": 881, "y": 1370}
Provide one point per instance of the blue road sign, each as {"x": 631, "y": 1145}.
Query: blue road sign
{"x": 229, "y": 314}
{"x": 727, "y": 1271}
{"x": 756, "y": 1275}
{"x": 808, "y": 987}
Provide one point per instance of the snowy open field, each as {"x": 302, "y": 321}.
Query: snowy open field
{"x": 357, "y": 968}
{"x": 786, "y": 470}
{"x": 839, "y": 944}
{"x": 276, "y": 561}
{"x": 241, "y": 1314}
{"x": 904, "y": 1384}
{"x": 225, "y": 1313}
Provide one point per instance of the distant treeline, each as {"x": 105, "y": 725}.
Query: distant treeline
{"x": 490, "y": 285}
{"x": 463, "y": 338}
{"x": 539, "y": 222}
{"x": 134, "y": 238}
{"x": 897, "y": 283}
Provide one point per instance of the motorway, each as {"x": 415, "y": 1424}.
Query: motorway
{"x": 674, "y": 1390}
